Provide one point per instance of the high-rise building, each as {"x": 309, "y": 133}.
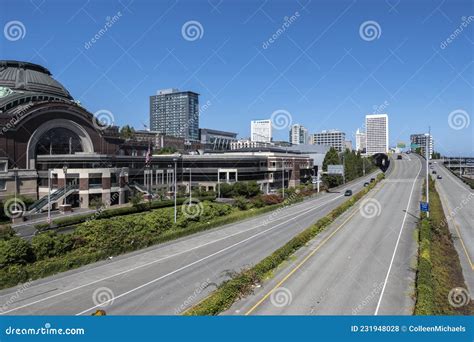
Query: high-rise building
{"x": 348, "y": 145}
{"x": 376, "y": 126}
{"x": 332, "y": 138}
{"x": 361, "y": 141}
{"x": 298, "y": 134}
{"x": 419, "y": 140}
{"x": 261, "y": 130}
{"x": 175, "y": 113}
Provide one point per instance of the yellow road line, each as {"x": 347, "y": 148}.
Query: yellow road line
{"x": 456, "y": 226}
{"x": 322, "y": 243}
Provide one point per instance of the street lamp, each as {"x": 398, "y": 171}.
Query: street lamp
{"x": 283, "y": 177}
{"x": 175, "y": 159}
{"x": 190, "y": 184}
{"x": 49, "y": 196}
{"x": 65, "y": 183}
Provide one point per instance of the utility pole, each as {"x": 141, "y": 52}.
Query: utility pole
{"x": 190, "y": 186}
{"x": 283, "y": 177}
{"x": 427, "y": 156}
{"x": 460, "y": 169}
{"x": 49, "y": 197}
{"x": 175, "y": 176}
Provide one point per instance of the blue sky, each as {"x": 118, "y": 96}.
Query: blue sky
{"x": 319, "y": 68}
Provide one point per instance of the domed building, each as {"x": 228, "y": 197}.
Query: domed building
{"x": 44, "y": 130}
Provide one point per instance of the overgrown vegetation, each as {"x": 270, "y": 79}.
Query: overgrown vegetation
{"x": 354, "y": 165}
{"x": 241, "y": 284}
{"x": 439, "y": 270}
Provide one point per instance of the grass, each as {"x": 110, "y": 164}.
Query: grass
{"x": 242, "y": 284}
{"x": 439, "y": 270}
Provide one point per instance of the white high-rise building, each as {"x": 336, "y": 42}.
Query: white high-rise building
{"x": 376, "y": 126}
{"x": 332, "y": 138}
{"x": 361, "y": 141}
{"x": 298, "y": 134}
{"x": 261, "y": 130}
{"x": 419, "y": 140}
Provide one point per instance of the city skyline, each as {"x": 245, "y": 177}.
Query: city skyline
{"x": 332, "y": 76}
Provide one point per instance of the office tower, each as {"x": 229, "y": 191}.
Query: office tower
{"x": 376, "y": 126}
{"x": 261, "y": 130}
{"x": 332, "y": 138}
{"x": 298, "y": 134}
{"x": 360, "y": 141}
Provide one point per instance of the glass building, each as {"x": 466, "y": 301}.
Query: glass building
{"x": 175, "y": 113}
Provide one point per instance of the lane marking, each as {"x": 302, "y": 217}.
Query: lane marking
{"x": 173, "y": 255}
{"x": 322, "y": 243}
{"x": 398, "y": 241}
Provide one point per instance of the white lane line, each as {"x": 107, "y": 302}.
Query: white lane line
{"x": 170, "y": 256}
{"x": 194, "y": 262}
{"x": 304, "y": 206}
{"x": 398, "y": 241}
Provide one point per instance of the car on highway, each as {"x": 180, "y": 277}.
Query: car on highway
{"x": 439, "y": 177}
{"x": 434, "y": 172}
{"x": 399, "y": 156}
{"x": 348, "y": 193}
{"x": 372, "y": 180}
{"x": 366, "y": 184}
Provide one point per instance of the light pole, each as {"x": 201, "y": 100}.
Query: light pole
{"x": 65, "y": 184}
{"x": 190, "y": 183}
{"x": 49, "y": 196}
{"x": 427, "y": 156}
{"x": 283, "y": 177}
{"x": 175, "y": 174}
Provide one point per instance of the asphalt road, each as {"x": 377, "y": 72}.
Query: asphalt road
{"x": 458, "y": 203}
{"x": 361, "y": 265}
{"x": 168, "y": 278}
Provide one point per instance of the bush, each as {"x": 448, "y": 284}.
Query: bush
{"x": 241, "y": 202}
{"x": 15, "y": 250}
{"x": 271, "y": 199}
{"x": 50, "y": 244}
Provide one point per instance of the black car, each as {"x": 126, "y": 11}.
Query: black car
{"x": 399, "y": 157}
{"x": 366, "y": 184}
{"x": 372, "y": 180}
{"x": 439, "y": 177}
{"x": 434, "y": 172}
{"x": 348, "y": 193}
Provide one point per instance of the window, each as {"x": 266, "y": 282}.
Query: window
{"x": 3, "y": 166}
{"x": 3, "y": 185}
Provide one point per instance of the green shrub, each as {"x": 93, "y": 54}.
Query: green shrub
{"x": 50, "y": 244}
{"x": 15, "y": 250}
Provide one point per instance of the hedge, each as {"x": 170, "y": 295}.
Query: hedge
{"x": 241, "y": 285}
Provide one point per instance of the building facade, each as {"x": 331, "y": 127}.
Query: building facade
{"x": 331, "y": 138}
{"x": 175, "y": 113}
{"x": 420, "y": 141}
{"x": 361, "y": 141}
{"x": 261, "y": 130}
{"x": 376, "y": 126}
{"x": 298, "y": 134}
{"x": 215, "y": 140}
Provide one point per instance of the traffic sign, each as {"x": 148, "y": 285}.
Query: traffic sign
{"x": 424, "y": 207}
{"x": 336, "y": 169}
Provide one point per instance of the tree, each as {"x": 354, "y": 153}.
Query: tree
{"x": 331, "y": 158}
{"x": 127, "y": 132}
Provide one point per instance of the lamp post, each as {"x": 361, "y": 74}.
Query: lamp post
{"x": 190, "y": 183}
{"x": 65, "y": 183}
{"x": 283, "y": 178}
{"x": 49, "y": 196}
{"x": 175, "y": 174}
{"x": 427, "y": 156}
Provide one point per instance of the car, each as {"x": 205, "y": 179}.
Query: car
{"x": 399, "y": 156}
{"x": 348, "y": 193}
{"x": 439, "y": 177}
{"x": 366, "y": 184}
{"x": 434, "y": 172}
{"x": 372, "y": 180}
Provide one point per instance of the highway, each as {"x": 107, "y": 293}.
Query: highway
{"x": 361, "y": 265}
{"x": 168, "y": 278}
{"x": 458, "y": 204}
